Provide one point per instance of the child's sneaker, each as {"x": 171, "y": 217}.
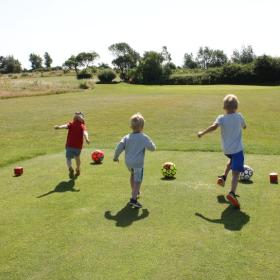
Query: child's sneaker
{"x": 231, "y": 197}
{"x": 71, "y": 173}
{"x": 78, "y": 173}
{"x": 221, "y": 180}
{"x": 134, "y": 203}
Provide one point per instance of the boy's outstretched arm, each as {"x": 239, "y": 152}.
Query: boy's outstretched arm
{"x": 86, "y": 136}
{"x": 61, "y": 126}
{"x": 211, "y": 128}
{"x": 120, "y": 147}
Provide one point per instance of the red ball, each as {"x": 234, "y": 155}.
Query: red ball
{"x": 97, "y": 156}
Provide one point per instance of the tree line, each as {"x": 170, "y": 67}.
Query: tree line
{"x": 209, "y": 66}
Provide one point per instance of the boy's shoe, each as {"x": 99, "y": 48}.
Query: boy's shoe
{"x": 78, "y": 173}
{"x": 231, "y": 197}
{"x": 71, "y": 173}
{"x": 134, "y": 203}
{"x": 221, "y": 180}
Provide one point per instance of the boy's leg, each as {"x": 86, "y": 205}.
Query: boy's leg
{"x": 136, "y": 190}
{"x": 228, "y": 167}
{"x": 69, "y": 156}
{"x": 69, "y": 163}
{"x": 78, "y": 165}
{"x": 232, "y": 196}
{"x": 237, "y": 167}
{"x": 222, "y": 179}
{"x": 234, "y": 181}
{"x": 136, "y": 180}
{"x": 131, "y": 182}
{"x": 70, "y": 168}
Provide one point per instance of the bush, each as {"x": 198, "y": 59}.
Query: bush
{"x": 267, "y": 69}
{"x": 24, "y": 74}
{"x": 86, "y": 85}
{"x": 106, "y": 76}
{"x": 238, "y": 74}
{"x": 84, "y": 75}
{"x": 135, "y": 76}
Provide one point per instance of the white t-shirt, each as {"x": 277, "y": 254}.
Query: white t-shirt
{"x": 231, "y": 132}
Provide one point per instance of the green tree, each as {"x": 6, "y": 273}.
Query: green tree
{"x": 207, "y": 57}
{"x": 36, "y": 61}
{"x": 151, "y": 68}
{"x": 219, "y": 58}
{"x": 86, "y": 59}
{"x": 166, "y": 55}
{"x": 126, "y": 58}
{"x": 71, "y": 64}
{"x": 246, "y": 55}
{"x": 204, "y": 56}
{"x": 9, "y": 64}
{"x": 48, "y": 60}
{"x": 189, "y": 61}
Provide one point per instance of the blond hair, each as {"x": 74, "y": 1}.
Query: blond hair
{"x": 231, "y": 102}
{"x": 137, "y": 122}
{"x": 79, "y": 116}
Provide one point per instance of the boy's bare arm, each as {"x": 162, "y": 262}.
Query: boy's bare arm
{"x": 86, "y": 136}
{"x": 61, "y": 126}
{"x": 207, "y": 130}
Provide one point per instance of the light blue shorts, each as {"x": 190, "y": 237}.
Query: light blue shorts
{"x": 237, "y": 161}
{"x": 72, "y": 152}
{"x": 137, "y": 174}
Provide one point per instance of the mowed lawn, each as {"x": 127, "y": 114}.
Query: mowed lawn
{"x": 55, "y": 228}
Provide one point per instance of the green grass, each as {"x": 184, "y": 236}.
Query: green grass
{"x": 174, "y": 114}
{"x": 55, "y": 228}
{"x": 52, "y": 228}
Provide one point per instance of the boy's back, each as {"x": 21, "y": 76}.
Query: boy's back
{"x": 231, "y": 132}
{"x": 135, "y": 145}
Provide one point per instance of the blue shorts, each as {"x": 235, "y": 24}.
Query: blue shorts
{"x": 72, "y": 152}
{"x": 237, "y": 161}
{"x": 137, "y": 174}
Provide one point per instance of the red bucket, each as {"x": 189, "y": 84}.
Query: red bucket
{"x": 273, "y": 178}
{"x": 18, "y": 171}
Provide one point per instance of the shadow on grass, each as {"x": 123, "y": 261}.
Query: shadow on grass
{"x": 96, "y": 163}
{"x": 168, "y": 178}
{"x": 126, "y": 216}
{"x": 64, "y": 186}
{"x": 246, "y": 182}
{"x": 232, "y": 218}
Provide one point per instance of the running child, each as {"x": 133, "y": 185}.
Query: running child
{"x": 134, "y": 145}
{"x": 77, "y": 131}
{"x": 231, "y": 124}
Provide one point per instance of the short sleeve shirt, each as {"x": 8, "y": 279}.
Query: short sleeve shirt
{"x": 231, "y": 132}
{"x": 75, "y": 135}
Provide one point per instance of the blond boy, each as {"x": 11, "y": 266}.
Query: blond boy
{"x": 134, "y": 145}
{"x": 231, "y": 125}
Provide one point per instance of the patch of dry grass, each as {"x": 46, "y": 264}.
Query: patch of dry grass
{"x": 18, "y": 86}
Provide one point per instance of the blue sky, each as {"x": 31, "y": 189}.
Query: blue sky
{"x": 65, "y": 27}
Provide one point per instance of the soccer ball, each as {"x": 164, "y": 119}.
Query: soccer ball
{"x": 246, "y": 174}
{"x": 97, "y": 156}
{"x": 168, "y": 170}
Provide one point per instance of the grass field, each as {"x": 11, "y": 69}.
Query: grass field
{"x": 55, "y": 228}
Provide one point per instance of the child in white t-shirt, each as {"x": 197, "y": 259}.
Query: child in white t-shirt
{"x": 231, "y": 125}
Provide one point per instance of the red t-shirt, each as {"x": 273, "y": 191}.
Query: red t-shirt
{"x": 75, "y": 135}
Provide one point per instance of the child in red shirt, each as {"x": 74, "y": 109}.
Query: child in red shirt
{"x": 74, "y": 144}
